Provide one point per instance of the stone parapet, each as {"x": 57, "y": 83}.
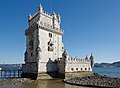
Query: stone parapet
{"x": 77, "y": 60}
{"x": 50, "y": 28}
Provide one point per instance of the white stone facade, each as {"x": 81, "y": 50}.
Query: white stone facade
{"x": 45, "y": 49}
{"x": 72, "y": 65}
{"x": 77, "y": 64}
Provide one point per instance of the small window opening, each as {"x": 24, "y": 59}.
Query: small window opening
{"x": 72, "y": 69}
{"x": 81, "y": 69}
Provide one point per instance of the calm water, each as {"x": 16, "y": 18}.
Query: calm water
{"x": 57, "y": 83}
{"x": 109, "y": 71}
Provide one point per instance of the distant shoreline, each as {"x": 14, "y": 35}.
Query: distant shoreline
{"x": 114, "y": 64}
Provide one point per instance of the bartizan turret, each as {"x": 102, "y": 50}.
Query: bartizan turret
{"x": 92, "y": 60}
{"x": 86, "y": 58}
{"x": 40, "y": 9}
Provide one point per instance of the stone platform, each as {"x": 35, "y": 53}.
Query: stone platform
{"x": 77, "y": 74}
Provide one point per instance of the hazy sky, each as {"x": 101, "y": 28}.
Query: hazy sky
{"x": 90, "y": 26}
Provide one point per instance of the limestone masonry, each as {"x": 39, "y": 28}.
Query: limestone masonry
{"x": 45, "y": 56}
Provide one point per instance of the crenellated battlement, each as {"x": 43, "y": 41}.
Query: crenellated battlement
{"x": 31, "y": 17}
{"x": 77, "y": 60}
{"x": 44, "y": 20}
{"x": 52, "y": 16}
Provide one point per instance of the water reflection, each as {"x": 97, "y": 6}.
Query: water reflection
{"x": 56, "y": 83}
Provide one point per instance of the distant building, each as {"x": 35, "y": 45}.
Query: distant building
{"x": 45, "y": 56}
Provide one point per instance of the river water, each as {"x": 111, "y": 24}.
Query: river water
{"x": 109, "y": 71}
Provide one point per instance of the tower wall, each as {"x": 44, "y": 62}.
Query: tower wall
{"x": 43, "y": 43}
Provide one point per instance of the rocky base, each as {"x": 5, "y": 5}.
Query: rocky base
{"x": 95, "y": 80}
{"x": 15, "y": 81}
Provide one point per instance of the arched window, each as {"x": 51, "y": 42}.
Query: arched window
{"x": 81, "y": 69}
{"x": 89, "y": 68}
{"x": 72, "y": 69}
{"x": 50, "y": 35}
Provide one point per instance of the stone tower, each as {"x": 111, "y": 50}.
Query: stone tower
{"x": 43, "y": 43}
{"x": 45, "y": 57}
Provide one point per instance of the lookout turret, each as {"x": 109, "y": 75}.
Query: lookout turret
{"x": 40, "y": 8}
{"x": 92, "y": 60}
{"x": 86, "y": 57}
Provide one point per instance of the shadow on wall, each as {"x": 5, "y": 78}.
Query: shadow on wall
{"x": 51, "y": 68}
{"x": 30, "y": 74}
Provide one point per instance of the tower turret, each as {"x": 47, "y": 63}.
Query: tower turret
{"x": 92, "y": 60}
{"x": 54, "y": 17}
{"x": 86, "y": 58}
{"x": 64, "y": 54}
{"x": 40, "y": 8}
{"x": 58, "y": 17}
{"x": 29, "y": 17}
